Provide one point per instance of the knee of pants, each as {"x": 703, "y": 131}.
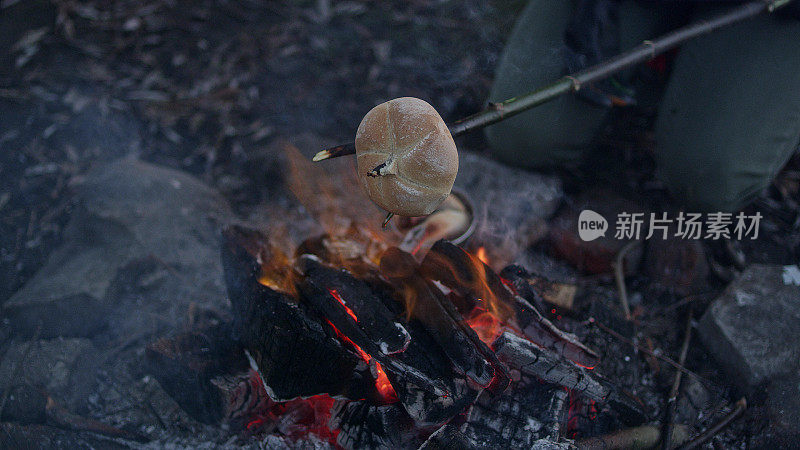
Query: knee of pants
{"x": 730, "y": 118}
{"x": 556, "y": 132}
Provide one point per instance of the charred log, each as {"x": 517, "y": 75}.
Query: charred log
{"x": 530, "y": 359}
{"x": 285, "y": 342}
{"x": 351, "y": 305}
{"x": 438, "y": 316}
{"x": 362, "y": 425}
{"x": 185, "y": 364}
{"x": 529, "y": 416}
{"x": 461, "y": 272}
{"x": 427, "y": 359}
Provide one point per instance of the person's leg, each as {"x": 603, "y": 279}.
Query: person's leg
{"x": 730, "y": 117}
{"x": 554, "y": 133}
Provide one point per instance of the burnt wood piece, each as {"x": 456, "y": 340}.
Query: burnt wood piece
{"x": 429, "y": 306}
{"x": 420, "y": 375}
{"x": 342, "y": 325}
{"x": 285, "y": 341}
{"x": 530, "y": 359}
{"x": 185, "y": 364}
{"x": 428, "y": 359}
{"x": 463, "y": 273}
{"x": 351, "y": 305}
{"x": 342, "y": 251}
{"x": 362, "y": 425}
{"x": 541, "y": 331}
{"x": 538, "y": 290}
{"x": 530, "y": 415}
{"x": 242, "y": 396}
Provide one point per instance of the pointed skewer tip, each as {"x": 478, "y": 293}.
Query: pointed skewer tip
{"x": 387, "y": 219}
{"x": 324, "y": 154}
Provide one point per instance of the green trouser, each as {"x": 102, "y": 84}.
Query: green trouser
{"x": 728, "y": 121}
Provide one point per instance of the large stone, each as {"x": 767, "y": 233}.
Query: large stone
{"x": 140, "y": 229}
{"x": 64, "y": 368}
{"x": 511, "y": 205}
{"x": 752, "y": 329}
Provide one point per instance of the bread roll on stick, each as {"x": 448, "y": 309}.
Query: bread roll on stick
{"x": 407, "y": 160}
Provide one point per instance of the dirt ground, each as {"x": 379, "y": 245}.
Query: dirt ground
{"x": 203, "y": 86}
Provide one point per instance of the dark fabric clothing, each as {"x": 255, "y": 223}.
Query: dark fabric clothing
{"x": 729, "y": 120}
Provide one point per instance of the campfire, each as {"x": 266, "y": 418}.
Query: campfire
{"x": 398, "y": 351}
{"x": 400, "y": 338}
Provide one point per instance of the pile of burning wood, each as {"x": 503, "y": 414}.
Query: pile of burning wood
{"x": 395, "y": 351}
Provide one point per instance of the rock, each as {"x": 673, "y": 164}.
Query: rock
{"x": 130, "y": 216}
{"x": 784, "y": 410}
{"x": 678, "y": 265}
{"x": 752, "y": 328}
{"x": 598, "y": 255}
{"x": 511, "y": 205}
{"x": 25, "y": 404}
{"x": 63, "y": 368}
{"x": 13, "y": 435}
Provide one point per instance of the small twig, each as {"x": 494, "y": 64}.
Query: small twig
{"x": 619, "y": 275}
{"x": 645, "y": 436}
{"x": 66, "y": 419}
{"x": 672, "y": 400}
{"x": 648, "y": 352}
{"x": 704, "y": 437}
{"x": 18, "y": 367}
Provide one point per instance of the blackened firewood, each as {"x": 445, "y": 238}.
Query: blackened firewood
{"x": 541, "y": 331}
{"x": 530, "y": 359}
{"x": 285, "y": 342}
{"x": 184, "y": 365}
{"x": 439, "y": 317}
{"x": 530, "y": 415}
{"x": 242, "y": 397}
{"x": 461, "y": 272}
{"x": 428, "y": 359}
{"x": 538, "y": 290}
{"x": 362, "y": 425}
{"x": 351, "y": 305}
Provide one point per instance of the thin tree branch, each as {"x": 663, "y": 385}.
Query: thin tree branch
{"x": 649, "y": 49}
{"x": 672, "y": 400}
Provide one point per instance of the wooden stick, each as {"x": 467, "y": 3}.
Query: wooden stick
{"x": 647, "y": 50}
{"x": 648, "y": 352}
{"x": 619, "y": 276}
{"x": 672, "y": 400}
{"x": 704, "y": 437}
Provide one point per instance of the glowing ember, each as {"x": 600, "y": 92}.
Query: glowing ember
{"x": 311, "y": 415}
{"x": 486, "y": 325}
{"x": 335, "y": 294}
{"x": 382, "y": 383}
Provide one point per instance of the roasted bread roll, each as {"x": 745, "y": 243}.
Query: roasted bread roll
{"x": 407, "y": 160}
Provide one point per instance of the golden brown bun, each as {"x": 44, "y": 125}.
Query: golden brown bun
{"x": 421, "y": 161}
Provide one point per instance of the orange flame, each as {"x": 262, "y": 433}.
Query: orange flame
{"x": 276, "y": 270}
{"x": 481, "y": 254}
{"x": 486, "y": 325}
{"x": 382, "y": 383}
